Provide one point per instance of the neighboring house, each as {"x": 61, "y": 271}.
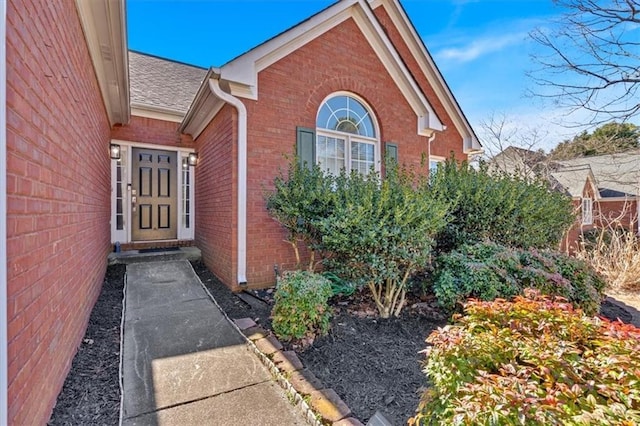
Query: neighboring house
{"x": 341, "y": 89}
{"x": 516, "y": 161}
{"x": 604, "y": 189}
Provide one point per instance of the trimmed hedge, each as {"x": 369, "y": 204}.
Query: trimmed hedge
{"x": 532, "y": 361}
{"x": 501, "y": 208}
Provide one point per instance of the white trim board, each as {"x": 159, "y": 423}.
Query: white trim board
{"x": 429, "y": 68}
{"x": 241, "y": 74}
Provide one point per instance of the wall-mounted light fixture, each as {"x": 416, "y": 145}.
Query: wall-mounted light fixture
{"x": 115, "y": 151}
{"x": 192, "y": 159}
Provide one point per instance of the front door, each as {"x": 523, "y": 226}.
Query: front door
{"x": 153, "y": 195}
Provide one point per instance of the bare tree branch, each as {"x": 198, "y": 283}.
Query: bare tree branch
{"x": 590, "y": 59}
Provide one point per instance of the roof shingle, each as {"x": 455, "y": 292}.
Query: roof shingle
{"x": 162, "y": 83}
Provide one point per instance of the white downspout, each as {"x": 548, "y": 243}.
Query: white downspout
{"x": 214, "y": 85}
{"x": 430, "y": 139}
{"x": 4, "y": 383}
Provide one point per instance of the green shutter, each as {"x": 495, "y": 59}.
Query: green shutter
{"x": 306, "y": 146}
{"x": 391, "y": 151}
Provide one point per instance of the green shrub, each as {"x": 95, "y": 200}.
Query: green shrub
{"x": 301, "y": 308}
{"x": 300, "y": 199}
{"x": 488, "y": 271}
{"x": 501, "y": 208}
{"x": 339, "y": 286}
{"x": 382, "y": 231}
{"x": 528, "y": 362}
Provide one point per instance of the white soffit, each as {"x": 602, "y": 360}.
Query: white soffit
{"x": 204, "y": 107}
{"x": 104, "y": 25}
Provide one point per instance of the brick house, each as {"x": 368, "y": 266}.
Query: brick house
{"x": 604, "y": 189}
{"x": 99, "y": 145}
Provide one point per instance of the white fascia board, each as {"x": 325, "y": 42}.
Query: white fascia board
{"x": 156, "y": 113}
{"x": 430, "y": 70}
{"x": 242, "y": 73}
{"x": 104, "y": 26}
{"x": 469, "y": 149}
{"x": 203, "y": 108}
{"x": 591, "y": 180}
{"x": 428, "y": 120}
{"x": 207, "y": 109}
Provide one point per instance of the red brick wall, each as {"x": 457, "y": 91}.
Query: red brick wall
{"x": 449, "y": 140}
{"x": 606, "y": 214}
{"x": 616, "y": 213}
{"x": 58, "y": 200}
{"x": 148, "y": 130}
{"x": 290, "y": 93}
{"x": 216, "y": 195}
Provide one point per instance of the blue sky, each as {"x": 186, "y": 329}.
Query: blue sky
{"x": 480, "y": 46}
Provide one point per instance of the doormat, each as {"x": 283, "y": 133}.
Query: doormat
{"x": 159, "y": 249}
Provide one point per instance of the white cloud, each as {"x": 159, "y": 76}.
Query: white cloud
{"x": 479, "y": 47}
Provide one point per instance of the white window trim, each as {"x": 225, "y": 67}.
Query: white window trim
{"x": 350, "y": 137}
{"x": 124, "y": 235}
{"x": 185, "y": 233}
{"x": 436, "y": 159}
{"x": 587, "y": 211}
{"x": 121, "y": 235}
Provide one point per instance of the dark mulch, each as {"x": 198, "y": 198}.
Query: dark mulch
{"x": 372, "y": 364}
{"x": 91, "y": 392}
{"x": 613, "y": 311}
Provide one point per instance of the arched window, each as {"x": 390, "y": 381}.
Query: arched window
{"x": 346, "y": 136}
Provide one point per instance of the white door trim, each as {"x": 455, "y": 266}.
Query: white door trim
{"x": 124, "y": 236}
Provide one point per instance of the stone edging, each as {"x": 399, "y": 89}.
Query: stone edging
{"x": 324, "y": 401}
{"x": 302, "y": 385}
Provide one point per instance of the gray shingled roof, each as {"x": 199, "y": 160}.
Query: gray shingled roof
{"x": 572, "y": 179}
{"x": 616, "y": 174}
{"x": 163, "y": 83}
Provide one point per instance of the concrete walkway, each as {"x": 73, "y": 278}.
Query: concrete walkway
{"x": 184, "y": 363}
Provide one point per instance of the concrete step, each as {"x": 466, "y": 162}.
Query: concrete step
{"x": 157, "y": 255}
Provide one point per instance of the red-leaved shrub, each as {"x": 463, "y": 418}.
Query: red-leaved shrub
{"x": 533, "y": 360}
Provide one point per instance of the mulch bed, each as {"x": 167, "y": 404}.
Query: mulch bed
{"x": 91, "y": 392}
{"x": 372, "y": 364}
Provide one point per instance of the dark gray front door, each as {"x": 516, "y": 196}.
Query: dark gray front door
{"x": 153, "y": 195}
